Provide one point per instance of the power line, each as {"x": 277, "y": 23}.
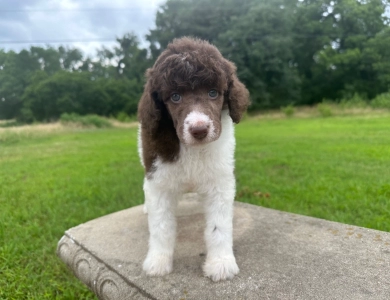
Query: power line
{"x": 77, "y": 9}
{"x": 58, "y": 41}
{"x": 252, "y": 38}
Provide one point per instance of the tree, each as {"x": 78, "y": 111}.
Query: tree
{"x": 331, "y": 61}
{"x": 20, "y": 70}
{"x": 15, "y": 72}
{"x": 199, "y": 18}
{"x": 260, "y": 43}
{"x": 376, "y": 54}
{"x": 311, "y": 32}
{"x": 42, "y": 83}
{"x": 124, "y": 95}
{"x": 64, "y": 92}
{"x": 288, "y": 51}
{"x": 70, "y": 58}
{"x": 131, "y": 60}
{"x": 256, "y": 35}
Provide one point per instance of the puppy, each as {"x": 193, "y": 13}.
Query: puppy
{"x": 186, "y": 143}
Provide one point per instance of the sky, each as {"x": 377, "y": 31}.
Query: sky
{"x": 87, "y": 25}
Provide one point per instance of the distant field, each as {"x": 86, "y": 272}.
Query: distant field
{"x": 335, "y": 168}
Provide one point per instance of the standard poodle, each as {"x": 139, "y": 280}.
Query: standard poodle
{"x": 186, "y": 143}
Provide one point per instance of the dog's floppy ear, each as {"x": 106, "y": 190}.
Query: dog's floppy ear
{"x": 150, "y": 108}
{"x": 237, "y": 96}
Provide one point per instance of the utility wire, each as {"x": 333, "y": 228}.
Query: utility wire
{"x": 58, "y": 41}
{"x": 77, "y": 9}
{"x": 252, "y": 38}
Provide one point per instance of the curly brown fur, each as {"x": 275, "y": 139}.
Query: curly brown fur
{"x": 186, "y": 65}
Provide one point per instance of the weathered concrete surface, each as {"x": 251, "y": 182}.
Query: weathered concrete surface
{"x": 280, "y": 255}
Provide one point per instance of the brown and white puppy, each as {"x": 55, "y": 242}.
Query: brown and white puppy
{"x": 186, "y": 143}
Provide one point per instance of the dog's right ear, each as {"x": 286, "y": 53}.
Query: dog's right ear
{"x": 150, "y": 108}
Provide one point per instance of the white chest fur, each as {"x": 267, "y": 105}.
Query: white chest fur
{"x": 207, "y": 170}
{"x": 197, "y": 165}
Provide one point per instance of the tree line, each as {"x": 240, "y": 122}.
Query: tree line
{"x": 286, "y": 51}
{"x": 40, "y": 84}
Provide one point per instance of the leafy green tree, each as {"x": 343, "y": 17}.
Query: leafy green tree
{"x": 127, "y": 60}
{"x": 334, "y": 66}
{"x": 204, "y": 19}
{"x": 42, "y": 83}
{"x": 311, "y": 32}
{"x": 70, "y": 58}
{"x": 80, "y": 93}
{"x": 49, "y": 59}
{"x": 124, "y": 95}
{"x": 15, "y": 72}
{"x": 132, "y": 61}
{"x": 377, "y": 55}
{"x": 21, "y": 70}
{"x": 288, "y": 51}
{"x": 256, "y": 35}
{"x": 64, "y": 92}
{"x": 260, "y": 43}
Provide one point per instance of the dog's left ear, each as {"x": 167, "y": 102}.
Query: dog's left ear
{"x": 237, "y": 96}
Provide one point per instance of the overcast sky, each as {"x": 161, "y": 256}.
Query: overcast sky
{"x": 27, "y": 22}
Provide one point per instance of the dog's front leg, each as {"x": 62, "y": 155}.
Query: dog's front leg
{"x": 220, "y": 262}
{"x": 161, "y": 206}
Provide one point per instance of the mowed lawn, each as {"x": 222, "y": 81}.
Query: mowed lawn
{"x": 334, "y": 168}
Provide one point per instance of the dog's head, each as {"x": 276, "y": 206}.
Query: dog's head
{"x": 187, "y": 89}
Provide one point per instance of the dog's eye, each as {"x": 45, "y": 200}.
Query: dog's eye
{"x": 213, "y": 94}
{"x": 175, "y": 97}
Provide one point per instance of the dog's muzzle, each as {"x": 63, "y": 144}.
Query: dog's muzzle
{"x": 198, "y": 128}
{"x": 199, "y": 132}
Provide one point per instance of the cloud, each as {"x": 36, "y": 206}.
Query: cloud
{"x": 74, "y": 20}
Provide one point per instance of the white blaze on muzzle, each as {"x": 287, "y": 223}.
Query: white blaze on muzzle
{"x": 198, "y": 128}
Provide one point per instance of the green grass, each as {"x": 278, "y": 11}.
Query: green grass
{"x": 49, "y": 184}
{"x": 85, "y": 121}
{"x": 335, "y": 168}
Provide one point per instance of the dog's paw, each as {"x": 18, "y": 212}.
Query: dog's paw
{"x": 158, "y": 264}
{"x": 221, "y": 268}
{"x": 145, "y": 209}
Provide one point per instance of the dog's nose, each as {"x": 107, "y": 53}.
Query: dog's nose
{"x": 199, "y": 132}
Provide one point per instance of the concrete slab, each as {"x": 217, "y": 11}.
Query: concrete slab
{"x": 280, "y": 255}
